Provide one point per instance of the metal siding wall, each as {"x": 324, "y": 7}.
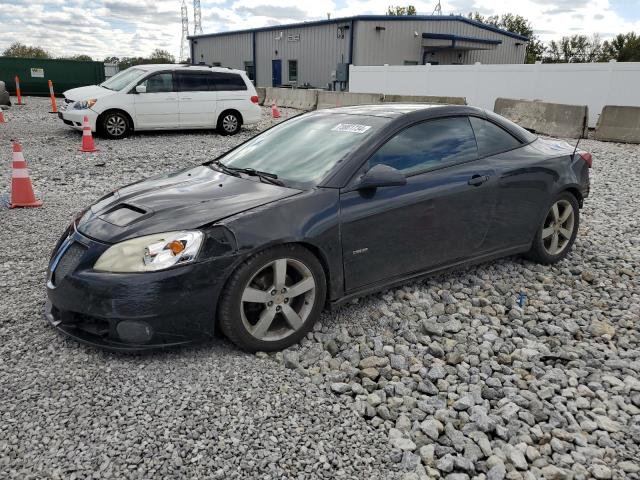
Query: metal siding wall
{"x": 398, "y": 43}
{"x": 318, "y": 52}
{"x": 230, "y": 50}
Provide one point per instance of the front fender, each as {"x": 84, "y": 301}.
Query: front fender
{"x": 310, "y": 219}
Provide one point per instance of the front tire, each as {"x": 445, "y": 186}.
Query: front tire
{"x": 229, "y": 123}
{"x": 273, "y": 299}
{"x": 115, "y": 125}
{"x": 555, "y": 236}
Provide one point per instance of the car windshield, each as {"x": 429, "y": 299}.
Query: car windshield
{"x": 122, "y": 79}
{"x": 301, "y": 151}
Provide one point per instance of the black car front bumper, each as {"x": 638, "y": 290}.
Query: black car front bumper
{"x": 130, "y": 312}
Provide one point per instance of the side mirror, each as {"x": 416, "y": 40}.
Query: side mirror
{"x": 141, "y": 89}
{"x": 381, "y": 176}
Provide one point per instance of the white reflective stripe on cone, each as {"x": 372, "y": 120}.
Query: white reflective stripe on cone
{"x": 86, "y": 132}
{"x": 20, "y": 173}
{"x": 18, "y": 157}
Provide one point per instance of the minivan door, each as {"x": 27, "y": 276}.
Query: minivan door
{"x": 197, "y": 99}
{"x": 157, "y": 108}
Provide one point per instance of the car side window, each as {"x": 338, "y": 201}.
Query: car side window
{"x": 429, "y": 145}
{"x": 491, "y": 138}
{"x": 193, "y": 82}
{"x": 160, "y": 82}
{"x": 225, "y": 82}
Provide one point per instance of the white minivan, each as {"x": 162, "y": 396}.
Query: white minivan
{"x": 164, "y": 97}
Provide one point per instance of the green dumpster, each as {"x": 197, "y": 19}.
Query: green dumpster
{"x": 34, "y": 73}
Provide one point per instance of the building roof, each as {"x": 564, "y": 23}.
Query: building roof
{"x": 434, "y": 18}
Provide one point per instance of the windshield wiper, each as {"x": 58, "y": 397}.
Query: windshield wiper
{"x": 224, "y": 169}
{"x": 263, "y": 176}
{"x": 236, "y": 171}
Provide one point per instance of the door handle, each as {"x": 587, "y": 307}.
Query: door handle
{"x": 171, "y": 99}
{"x": 186, "y": 98}
{"x": 478, "y": 180}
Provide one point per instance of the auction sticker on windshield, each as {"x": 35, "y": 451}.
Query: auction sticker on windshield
{"x": 350, "y": 128}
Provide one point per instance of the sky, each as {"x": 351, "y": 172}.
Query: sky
{"x": 102, "y": 28}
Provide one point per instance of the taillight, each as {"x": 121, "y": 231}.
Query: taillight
{"x": 255, "y": 99}
{"x": 588, "y": 159}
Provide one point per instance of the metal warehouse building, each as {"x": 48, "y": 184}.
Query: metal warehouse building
{"x": 318, "y": 53}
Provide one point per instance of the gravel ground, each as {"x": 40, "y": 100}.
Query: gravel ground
{"x": 444, "y": 378}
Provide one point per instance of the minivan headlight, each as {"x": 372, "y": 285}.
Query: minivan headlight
{"x": 84, "y": 104}
{"x": 151, "y": 253}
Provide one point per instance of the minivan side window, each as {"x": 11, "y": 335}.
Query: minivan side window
{"x": 225, "y": 82}
{"x": 491, "y": 138}
{"x": 193, "y": 82}
{"x": 429, "y": 145}
{"x": 160, "y": 82}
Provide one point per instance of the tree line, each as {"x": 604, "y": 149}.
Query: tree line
{"x": 21, "y": 50}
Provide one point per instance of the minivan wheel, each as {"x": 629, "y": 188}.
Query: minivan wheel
{"x": 115, "y": 125}
{"x": 558, "y": 231}
{"x": 273, "y": 299}
{"x": 229, "y": 123}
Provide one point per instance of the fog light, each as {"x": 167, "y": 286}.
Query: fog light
{"x": 134, "y": 332}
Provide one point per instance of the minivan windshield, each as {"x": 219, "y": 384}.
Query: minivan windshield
{"x": 122, "y": 79}
{"x": 301, "y": 151}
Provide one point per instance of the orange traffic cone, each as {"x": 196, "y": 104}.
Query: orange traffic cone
{"x": 87, "y": 138}
{"x": 275, "y": 113}
{"x": 21, "y": 189}
{"x": 2, "y": 119}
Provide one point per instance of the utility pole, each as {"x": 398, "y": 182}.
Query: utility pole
{"x": 185, "y": 33}
{"x": 197, "y": 18}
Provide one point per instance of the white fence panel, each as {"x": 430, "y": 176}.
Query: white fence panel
{"x": 591, "y": 84}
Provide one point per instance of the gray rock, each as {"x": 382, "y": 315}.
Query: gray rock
{"x": 401, "y": 443}
{"x": 373, "y": 362}
{"x": 338, "y": 387}
{"x": 498, "y": 472}
{"x": 291, "y": 359}
{"x": 398, "y": 362}
{"x": 431, "y": 327}
{"x": 601, "y": 472}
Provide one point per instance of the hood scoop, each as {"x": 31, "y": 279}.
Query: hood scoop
{"x": 123, "y": 214}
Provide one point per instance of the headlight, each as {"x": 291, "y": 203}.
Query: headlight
{"x": 84, "y": 104}
{"x": 151, "y": 253}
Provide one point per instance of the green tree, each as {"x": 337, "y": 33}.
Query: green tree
{"x": 515, "y": 24}
{"x": 575, "y": 49}
{"x": 161, "y": 56}
{"x": 623, "y": 48}
{"x": 399, "y": 11}
{"x": 17, "y": 49}
{"x": 81, "y": 58}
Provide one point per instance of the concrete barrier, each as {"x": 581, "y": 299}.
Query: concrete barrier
{"x": 300, "y": 98}
{"x": 262, "y": 93}
{"x": 328, "y": 99}
{"x": 618, "y": 124}
{"x": 431, "y": 99}
{"x": 556, "y": 119}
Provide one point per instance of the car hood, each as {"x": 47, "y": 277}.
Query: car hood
{"x": 187, "y": 199}
{"x": 85, "y": 93}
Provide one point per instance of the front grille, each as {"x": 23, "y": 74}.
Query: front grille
{"x": 69, "y": 261}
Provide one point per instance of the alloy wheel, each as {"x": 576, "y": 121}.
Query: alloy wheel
{"x": 116, "y": 126}
{"x": 230, "y": 123}
{"x": 278, "y": 299}
{"x": 558, "y": 227}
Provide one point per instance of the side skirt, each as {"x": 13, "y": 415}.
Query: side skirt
{"x": 387, "y": 284}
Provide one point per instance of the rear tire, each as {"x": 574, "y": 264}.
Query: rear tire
{"x": 273, "y": 299}
{"x": 229, "y": 123}
{"x": 115, "y": 125}
{"x": 557, "y": 233}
